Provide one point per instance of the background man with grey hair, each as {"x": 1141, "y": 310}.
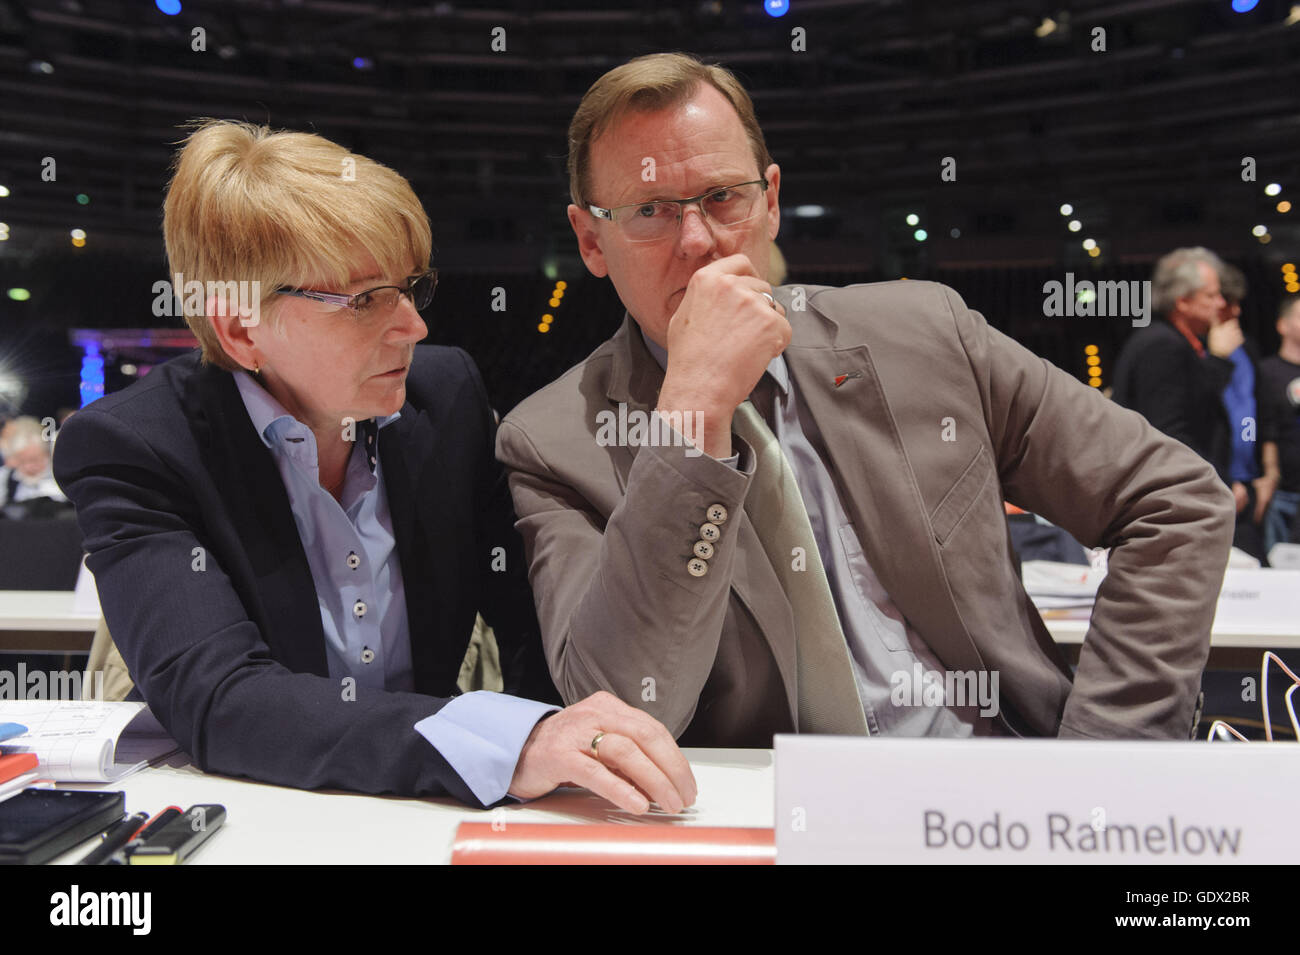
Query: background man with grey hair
{"x": 1173, "y": 372}
{"x": 27, "y": 482}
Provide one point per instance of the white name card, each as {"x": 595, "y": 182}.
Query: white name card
{"x": 1264, "y": 600}
{"x": 854, "y": 800}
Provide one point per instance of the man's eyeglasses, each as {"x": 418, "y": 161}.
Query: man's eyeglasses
{"x": 375, "y": 301}
{"x": 659, "y": 219}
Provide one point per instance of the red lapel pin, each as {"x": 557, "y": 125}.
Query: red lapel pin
{"x": 840, "y": 379}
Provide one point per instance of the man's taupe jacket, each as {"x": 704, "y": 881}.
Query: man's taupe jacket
{"x": 939, "y": 419}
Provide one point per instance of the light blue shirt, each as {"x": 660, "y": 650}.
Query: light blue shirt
{"x": 352, "y": 553}
{"x": 883, "y": 646}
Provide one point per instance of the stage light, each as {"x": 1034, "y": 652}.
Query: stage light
{"x": 1284, "y": 206}
{"x": 548, "y": 318}
{"x": 561, "y": 285}
{"x": 1094, "y": 252}
{"x": 913, "y": 219}
{"x": 83, "y": 199}
{"x": 1066, "y": 209}
{"x": 1272, "y": 189}
{"x": 19, "y": 294}
{"x": 955, "y": 233}
{"x": 1259, "y": 230}
{"x": 920, "y": 235}
{"x": 78, "y": 233}
{"x": 169, "y": 7}
{"x": 1090, "y": 350}
{"x": 809, "y": 212}
{"x": 776, "y": 8}
{"x": 362, "y": 62}
{"x": 4, "y": 191}
{"x": 1244, "y": 6}
{"x": 1046, "y": 28}
{"x": 1090, "y": 243}
{"x": 543, "y": 328}
{"x": 1074, "y": 225}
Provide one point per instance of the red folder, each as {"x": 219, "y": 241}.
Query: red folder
{"x": 16, "y": 764}
{"x": 511, "y": 843}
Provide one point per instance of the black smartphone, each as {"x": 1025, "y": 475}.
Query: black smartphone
{"x": 38, "y": 824}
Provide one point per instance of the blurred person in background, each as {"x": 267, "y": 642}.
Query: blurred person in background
{"x": 27, "y": 485}
{"x": 1279, "y": 392}
{"x": 1252, "y": 487}
{"x": 1173, "y": 371}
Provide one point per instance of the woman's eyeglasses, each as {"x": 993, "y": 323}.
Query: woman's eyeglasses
{"x": 375, "y": 301}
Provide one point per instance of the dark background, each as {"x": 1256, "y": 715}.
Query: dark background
{"x": 1145, "y": 140}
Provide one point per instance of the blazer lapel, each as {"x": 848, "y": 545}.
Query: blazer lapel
{"x": 634, "y": 382}
{"x": 406, "y": 448}
{"x": 874, "y": 478}
{"x": 258, "y": 507}
{"x": 635, "y": 378}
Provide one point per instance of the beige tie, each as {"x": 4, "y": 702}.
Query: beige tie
{"x": 828, "y": 692}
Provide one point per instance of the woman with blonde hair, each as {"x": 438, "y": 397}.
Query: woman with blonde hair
{"x": 292, "y": 531}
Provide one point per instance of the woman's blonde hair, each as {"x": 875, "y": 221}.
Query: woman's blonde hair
{"x": 249, "y": 204}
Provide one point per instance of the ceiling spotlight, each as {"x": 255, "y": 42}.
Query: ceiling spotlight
{"x": 1075, "y": 225}
{"x": 1066, "y": 209}
{"x": 913, "y": 218}
{"x": 1272, "y": 189}
{"x": 809, "y": 212}
{"x": 920, "y": 235}
{"x": 1090, "y": 243}
{"x": 1259, "y": 230}
{"x": 1046, "y": 28}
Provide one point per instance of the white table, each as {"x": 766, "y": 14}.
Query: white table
{"x": 274, "y": 824}
{"x": 44, "y": 621}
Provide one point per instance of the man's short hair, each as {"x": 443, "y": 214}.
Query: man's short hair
{"x": 247, "y": 203}
{"x": 1178, "y": 274}
{"x": 1289, "y": 301}
{"x": 1232, "y": 283}
{"x": 646, "y": 85}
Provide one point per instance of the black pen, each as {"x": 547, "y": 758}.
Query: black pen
{"x": 152, "y": 826}
{"x": 115, "y": 837}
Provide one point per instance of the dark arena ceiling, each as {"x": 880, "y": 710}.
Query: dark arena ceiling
{"x": 1159, "y": 122}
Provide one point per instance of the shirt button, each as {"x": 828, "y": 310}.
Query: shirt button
{"x": 367, "y": 655}
{"x": 697, "y": 567}
{"x": 359, "y": 608}
{"x": 717, "y": 514}
{"x": 353, "y": 560}
{"x": 709, "y": 532}
{"x": 703, "y": 550}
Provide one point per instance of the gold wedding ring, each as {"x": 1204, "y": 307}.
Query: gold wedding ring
{"x": 595, "y": 743}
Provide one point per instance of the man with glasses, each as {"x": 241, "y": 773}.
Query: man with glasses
{"x": 292, "y": 532}
{"x": 830, "y": 554}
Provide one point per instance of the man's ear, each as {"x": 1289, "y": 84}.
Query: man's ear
{"x": 231, "y": 332}
{"x": 773, "y": 177}
{"x": 584, "y": 227}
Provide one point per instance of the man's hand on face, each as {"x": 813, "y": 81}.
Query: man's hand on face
{"x": 1225, "y": 338}
{"x": 636, "y": 761}
{"x": 720, "y": 341}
